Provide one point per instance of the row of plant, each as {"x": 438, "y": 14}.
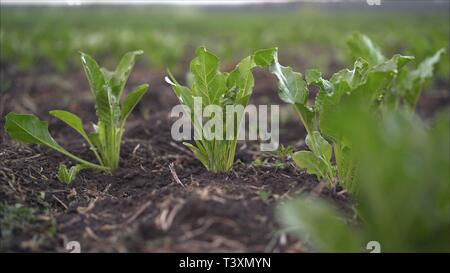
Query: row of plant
{"x": 33, "y": 36}
{"x": 362, "y": 136}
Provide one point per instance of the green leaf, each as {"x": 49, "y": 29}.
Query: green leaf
{"x": 292, "y": 87}
{"x": 70, "y": 119}
{"x": 381, "y": 78}
{"x": 353, "y": 78}
{"x": 123, "y": 69}
{"x": 361, "y": 46}
{"x": 345, "y": 167}
{"x": 183, "y": 93}
{"x": 93, "y": 73}
{"x": 313, "y": 76}
{"x": 394, "y": 64}
{"x": 312, "y": 163}
{"x": 401, "y": 177}
{"x": 242, "y": 79}
{"x": 107, "y": 108}
{"x": 107, "y": 75}
{"x": 426, "y": 67}
{"x": 96, "y": 137}
{"x": 132, "y": 100}
{"x": 343, "y": 83}
{"x": 319, "y": 224}
{"x": 221, "y": 89}
{"x": 318, "y": 145}
{"x": 265, "y": 57}
{"x": 209, "y": 83}
{"x": 67, "y": 176}
{"x": 29, "y": 129}
{"x": 75, "y": 122}
{"x": 413, "y": 82}
{"x": 199, "y": 154}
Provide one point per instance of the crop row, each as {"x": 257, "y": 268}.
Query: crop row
{"x": 33, "y": 36}
{"x": 363, "y": 137}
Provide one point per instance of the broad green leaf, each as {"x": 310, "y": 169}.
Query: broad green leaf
{"x": 426, "y": 67}
{"x": 265, "y": 57}
{"x": 29, "y": 129}
{"x": 318, "y": 145}
{"x": 413, "y": 82}
{"x": 343, "y": 82}
{"x": 70, "y": 119}
{"x": 394, "y": 64}
{"x": 318, "y": 223}
{"x": 242, "y": 79}
{"x": 380, "y": 77}
{"x": 292, "y": 87}
{"x": 313, "y": 76}
{"x": 93, "y": 73}
{"x": 123, "y": 69}
{"x": 363, "y": 82}
{"x": 346, "y": 82}
{"x": 132, "y": 100}
{"x": 309, "y": 161}
{"x": 361, "y": 46}
{"x": 351, "y": 78}
{"x": 209, "y": 83}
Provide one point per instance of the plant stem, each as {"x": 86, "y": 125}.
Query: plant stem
{"x": 87, "y": 163}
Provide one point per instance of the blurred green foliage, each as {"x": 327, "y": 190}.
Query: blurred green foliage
{"x": 403, "y": 178}
{"x": 30, "y": 36}
{"x": 15, "y": 217}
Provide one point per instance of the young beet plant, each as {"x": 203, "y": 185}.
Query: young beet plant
{"x": 381, "y": 84}
{"x": 221, "y": 90}
{"x": 105, "y": 140}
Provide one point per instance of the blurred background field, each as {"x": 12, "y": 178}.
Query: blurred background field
{"x": 46, "y": 39}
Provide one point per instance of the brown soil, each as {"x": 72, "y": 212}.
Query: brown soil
{"x": 141, "y": 207}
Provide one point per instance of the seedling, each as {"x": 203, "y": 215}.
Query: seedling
{"x": 220, "y": 89}
{"x": 105, "y": 140}
{"x": 284, "y": 152}
{"x": 381, "y": 84}
{"x": 257, "y": 162}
